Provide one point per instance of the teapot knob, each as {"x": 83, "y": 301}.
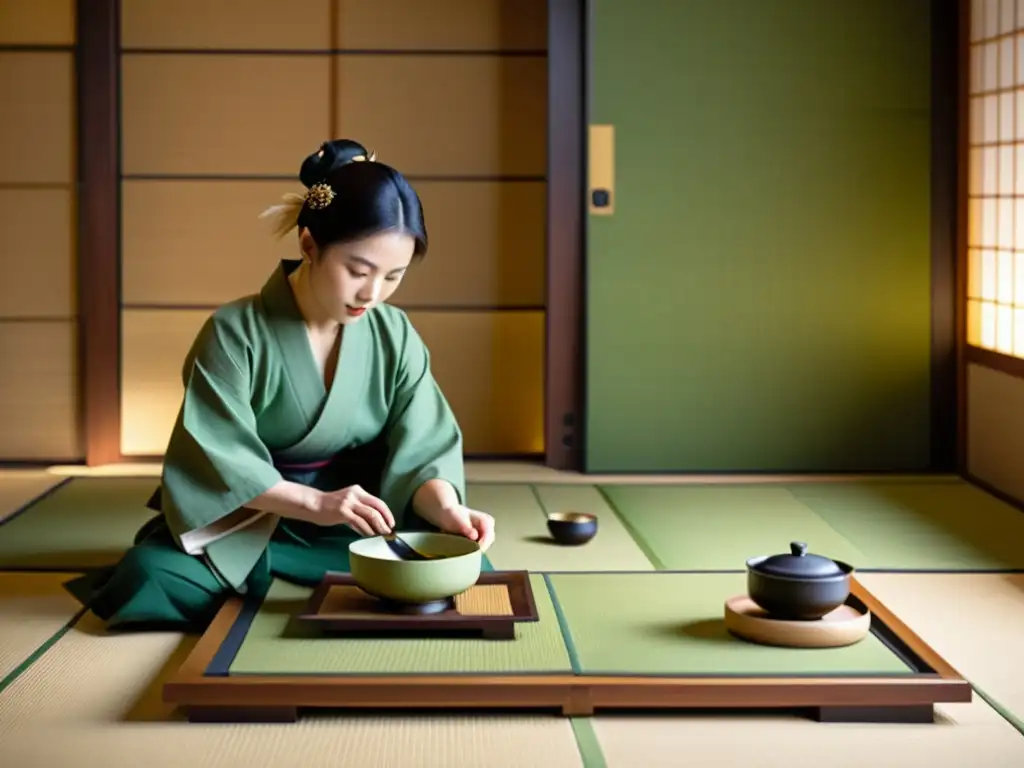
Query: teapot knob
{"x": 798, "y": 548}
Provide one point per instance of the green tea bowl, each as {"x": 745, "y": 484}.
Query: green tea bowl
{"x": 378, "y": 571}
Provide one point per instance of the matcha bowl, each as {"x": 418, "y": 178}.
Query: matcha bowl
{"x": 416, "y": 585}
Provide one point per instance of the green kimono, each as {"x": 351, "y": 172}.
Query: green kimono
{"x": 256, "y": 411}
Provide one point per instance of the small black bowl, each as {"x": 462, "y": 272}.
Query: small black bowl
{"x": 572, "y": 528}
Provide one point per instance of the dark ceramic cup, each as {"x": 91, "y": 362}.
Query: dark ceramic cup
{"x": 798, "y": 586}
{"x": 572, "y": 528}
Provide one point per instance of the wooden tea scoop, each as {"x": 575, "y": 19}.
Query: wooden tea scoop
{"x": 403, "y": 550}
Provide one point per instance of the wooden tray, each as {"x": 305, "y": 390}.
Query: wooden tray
{"x": 206, "y": 689}
{"x": 491, "y": 609}
{"x": 846, "y": 625}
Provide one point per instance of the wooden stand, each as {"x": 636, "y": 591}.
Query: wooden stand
{"x": 209, "y": 693}
{"x": 846, "y": 625}
{"x": 491, "y": 609}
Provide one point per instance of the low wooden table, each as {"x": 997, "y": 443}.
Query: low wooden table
{"x": 209, "y": 691}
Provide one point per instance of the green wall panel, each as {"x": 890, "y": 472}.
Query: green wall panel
{"x": 760, "y": 300}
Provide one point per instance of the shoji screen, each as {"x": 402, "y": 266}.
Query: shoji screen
{"x": 221, "y": 101}
{"x": 995, "y": 321}
{"x": 996, "y": 177}
{"x": 38, "y": 309}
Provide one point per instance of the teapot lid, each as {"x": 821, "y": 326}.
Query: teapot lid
{"x": 799, "y": 564}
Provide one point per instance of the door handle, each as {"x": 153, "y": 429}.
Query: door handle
{"x": 601, "y": 170}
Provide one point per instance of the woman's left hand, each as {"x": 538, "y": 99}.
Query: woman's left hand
{"x": 478, "y": 526}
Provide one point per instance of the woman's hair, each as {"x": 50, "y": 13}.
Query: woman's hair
{"x": 349, "y": 196}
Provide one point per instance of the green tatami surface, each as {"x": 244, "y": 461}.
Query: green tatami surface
{"x": 943, "y": 524}
{"x": 717, "y": 527}
{"x": 86, "y": 523}
{"x": 275, "y": 645}
{"x": 671, "y": 624}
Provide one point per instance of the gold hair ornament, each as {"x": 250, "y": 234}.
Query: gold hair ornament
{"x": 284, "y": 217}
{"x": 319, "y": 196}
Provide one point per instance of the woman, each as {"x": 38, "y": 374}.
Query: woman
{"x": 310, "y": 415}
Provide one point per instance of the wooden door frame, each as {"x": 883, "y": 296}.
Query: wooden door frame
{"x": 98, "y": 70}
{"x": 570, "y": 31}
{"x": 565, "y": 306}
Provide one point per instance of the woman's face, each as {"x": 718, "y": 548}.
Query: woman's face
{"x": 350, "y": 278}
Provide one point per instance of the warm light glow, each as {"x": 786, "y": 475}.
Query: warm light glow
{"x": 147, "y": 469}
{"x": 995, "y": 206}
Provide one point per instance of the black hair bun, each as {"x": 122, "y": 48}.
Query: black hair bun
{"x": 331, "y": 156}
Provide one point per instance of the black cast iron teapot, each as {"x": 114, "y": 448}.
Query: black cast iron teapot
{"x": 799, "y": 586}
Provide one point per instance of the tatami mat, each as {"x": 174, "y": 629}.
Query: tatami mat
{"x": 93, "y": 701}
{"x": 718, "y": 527}
{"x": 522, "y": 539}
{"x": 90, "y": 521}
{"x": 671, "y": 623}
{"x": 921, "y": 526}
{"x": 971, "y": 734}
{"x": 20, "y": 487}
{"x": 33, "y": 608}
{"x": 899, "y": 525}
{"x": 909, "y": 524}
{"x": 976, "y": 621}
{"x": 274, "y": 644}
{"x": 85, "y": 523}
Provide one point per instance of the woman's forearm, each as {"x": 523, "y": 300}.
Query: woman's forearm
{"x": 300, "y": 502}
{"x": 288, "y": 499}
{"x": 434, "y": 497}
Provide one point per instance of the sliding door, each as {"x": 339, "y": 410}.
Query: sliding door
{"x": 759, "y": 263}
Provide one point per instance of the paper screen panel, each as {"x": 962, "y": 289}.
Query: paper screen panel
{"x": 487, "y": 246}
{"x": 37, "y": 99}
{"x": 37, "y": 22}
{"x": 490, "y": 366}
{"x": 227, "y": 24}
{"x": 198, "y": 242}
{"x": 442, "y": 115}
{"x": 476, "y": 25}
{"x": 39, "y": 391}
{"x": 222, "y": 113}
{"x": 153, "y": 348}
{"x": 995, "y": 178}
{"x": 36, "y": 245}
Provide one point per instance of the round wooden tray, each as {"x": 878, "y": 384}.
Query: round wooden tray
{"x": 844, "y": 626}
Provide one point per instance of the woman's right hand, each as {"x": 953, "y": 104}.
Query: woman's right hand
{"x": 363, "y": 512}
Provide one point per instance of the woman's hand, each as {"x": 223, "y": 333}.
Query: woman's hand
{"x": 463, "y": 521}
{"x": 363, "y": 512}
{"x": 437, "y": 502}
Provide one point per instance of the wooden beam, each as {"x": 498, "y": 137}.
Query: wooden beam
{"x": 963, "y": 160}
{"x": 99, "y": 299}
{"x": 565, "y": 356}
{"x": 945, "y": 204}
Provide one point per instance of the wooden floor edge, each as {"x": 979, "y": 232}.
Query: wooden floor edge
{"x": 516, "y": 472}
{"x": 199, "y": 658}
{"x": 665, "y": 693}
{"x": 527, "y": 680}
{"x": 915, "y": 642}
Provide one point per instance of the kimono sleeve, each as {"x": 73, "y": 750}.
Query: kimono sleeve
{"x": 215, "y": 461}
{"x": 423, "y": 437}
